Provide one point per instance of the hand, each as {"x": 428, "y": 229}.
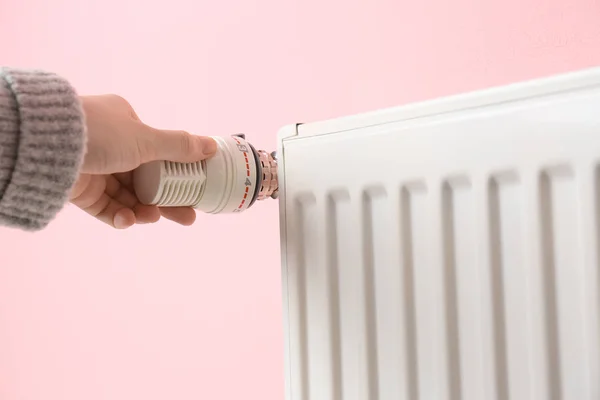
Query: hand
{"x": 118, "y": 142}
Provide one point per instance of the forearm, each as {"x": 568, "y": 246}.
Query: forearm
{"x": 42, "y": 144}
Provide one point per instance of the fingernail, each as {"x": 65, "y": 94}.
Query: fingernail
{"x": 121, "y": 221}
{"x": 209, "y": 146}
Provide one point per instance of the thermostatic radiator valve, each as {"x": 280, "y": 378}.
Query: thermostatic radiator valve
{"x": 230, "y": 181}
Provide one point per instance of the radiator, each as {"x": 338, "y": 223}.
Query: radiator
{"x": 446, "y": 250}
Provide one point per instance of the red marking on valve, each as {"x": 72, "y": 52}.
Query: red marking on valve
{"x": 247, "y": 173}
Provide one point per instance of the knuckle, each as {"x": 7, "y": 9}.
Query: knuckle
{"x": 120, "y": 100}
{"x": 185, "y": 140}
{"x": 146, "y": 148}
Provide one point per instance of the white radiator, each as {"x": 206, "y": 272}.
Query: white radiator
{"x": 446, "y": 250}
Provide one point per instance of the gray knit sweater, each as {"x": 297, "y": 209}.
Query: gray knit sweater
{"x": 42, "y": 143}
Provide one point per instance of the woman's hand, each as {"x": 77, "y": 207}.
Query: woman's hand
{"x": 118, "y": 142}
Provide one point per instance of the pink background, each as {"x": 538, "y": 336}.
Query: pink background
{"x": 166, "y": 312}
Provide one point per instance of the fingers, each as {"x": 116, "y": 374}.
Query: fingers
{"x": 144, "y": 214}
{"x": 126, "y": 179}
{"x": 105, "y": 198}
{"x": 117, "y": 215}
{"x": 111, "y": 212}
{"x": 177, "y": 146}
{"x": 108, "y": 199}
{"x": 123, "y": 218}
{"x": 181, "y": 215}
{"x": 88, "y": 190}
{"x": 93, "y": 197}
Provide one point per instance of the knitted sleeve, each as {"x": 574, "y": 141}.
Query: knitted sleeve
{"x": 42, "y": 143}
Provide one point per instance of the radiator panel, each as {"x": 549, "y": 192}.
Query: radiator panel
{"x": 446, "y": 253}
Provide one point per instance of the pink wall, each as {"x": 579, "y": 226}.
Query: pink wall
{"x": 165, "y": 312}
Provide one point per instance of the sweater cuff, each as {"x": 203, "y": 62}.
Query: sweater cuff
{"x": 48, "y": 145}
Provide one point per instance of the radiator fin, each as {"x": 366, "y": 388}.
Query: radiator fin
{"x": 508, "y": 310}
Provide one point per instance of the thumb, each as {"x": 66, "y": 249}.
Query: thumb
{"x": 180, "y": 146}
